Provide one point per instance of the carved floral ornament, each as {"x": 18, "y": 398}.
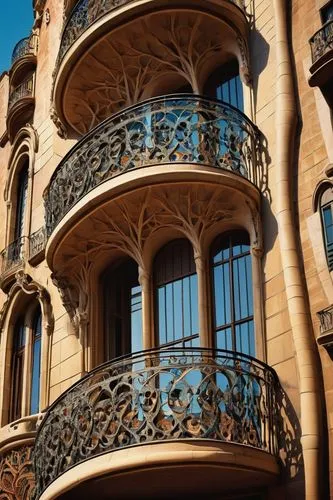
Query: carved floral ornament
{"x": 154, "y": 55}
{"x": 129, "y": 225}
{"x": 28, "y": 286}
{"x": 17, "y": 481}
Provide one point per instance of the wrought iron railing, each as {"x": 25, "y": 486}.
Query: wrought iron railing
{"x": 26, "y": 89}
{"x": 37, "y": 242}
{"x": 158, "y": 395}
{"x": 326, "y": 319}
{"x": 86, "y": 12}
{"x": 23, "y": 48}
{"x": 13, "y": 256}
{"x": 322, "y": 41}
{"x": 171, "y": 129}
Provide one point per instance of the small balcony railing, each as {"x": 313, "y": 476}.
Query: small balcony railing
{"x": 13, "y": 256}
{"x": 156, "y": 396}
{"x": 24, "y": 47}
{"x": 85, "y": 13}
{"x": 26, "y": 89}
{"x": 181, "y": 128}
{"x": 322, "y": 41}
{"x": 37, "y": 243}
{"x": 326, "y": 320}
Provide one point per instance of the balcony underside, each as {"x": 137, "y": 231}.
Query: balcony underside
{"x": 142, "y": 49}
{"x": 189, "y": 470}
{"x": 158, "y": 193}
{"x": 19, "y": 115}
{"x": 322, "y": 76}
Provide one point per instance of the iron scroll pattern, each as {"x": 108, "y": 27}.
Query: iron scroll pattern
{"x": 25, "y": 89}
{"x": 87, "y": 12}
{"x": 322, "y": 41}
{"x": 171, "y": 129}
{"x": 170, "y": 394}
{"x": 21, "y": 49}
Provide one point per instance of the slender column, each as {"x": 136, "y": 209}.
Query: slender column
{"x": 147, "y": 331}
{"x": 256, "y": 255}
{"x": 203, "y": 304}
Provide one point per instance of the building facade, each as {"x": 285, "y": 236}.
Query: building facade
{"x": 166, "y": 323}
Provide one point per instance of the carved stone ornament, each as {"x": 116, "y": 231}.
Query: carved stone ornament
{"x": 74, "y": 299}
{"x": 17, "y": 480}
{"x": 25, "y": 283}
{"x": 244, "y": 67}
{"x": 61, "y": 129}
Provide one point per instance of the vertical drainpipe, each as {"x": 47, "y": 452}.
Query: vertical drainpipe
{"x": 305, "y": 349}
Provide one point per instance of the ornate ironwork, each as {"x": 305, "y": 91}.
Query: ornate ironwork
{"x": 167, "y": 394}
{"x": 172, "y": 129}
{"x": 37, "y": 242}
{"x": 23, "y": 48}
{"x": 26, "y": 89}
{"x": 326, "y": 319}
{"x": 17, "y": 479}
{"x": 12, "y": 256}
{"x": 322, "y": 41}
{"x": 86, "y": 12}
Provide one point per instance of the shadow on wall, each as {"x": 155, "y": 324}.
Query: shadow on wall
{"x": 289, "y": 445}
{"x": 259, "y": 59}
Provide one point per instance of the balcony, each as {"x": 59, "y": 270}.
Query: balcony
{"x": 176, "y": 410}
{"x": 12, "y": 259}
{"x": 114, "y": 54}
{"x": 37, "y": 244}
{"x": 21, "y": 105}
{"x": 166, "y": 133}
{"x": 23, "y": 59}
{"x": 326, "y": 328}
{"x": 322, "y": 61}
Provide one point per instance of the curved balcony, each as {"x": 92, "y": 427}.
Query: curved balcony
{"x": 115, "y": 53}
{"x": 322, "y": 60}
{"x": 12, "y": 259}
{"x": 222, "y": 402}
{"x": 173, "y": 130}
{"x": 21, "y": 106}
{"x": 23, "y": 59}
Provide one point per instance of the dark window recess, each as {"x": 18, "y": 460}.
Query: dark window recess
{"x": 21, "y": 202}
{"x": 122, "y": 310}
{"x": 326, "y": 13}
{"x": 176, "y": 295}
{"x": 17, "y": 370}
{"x": 232, "y": 292}
{"x": 225, "y": 84}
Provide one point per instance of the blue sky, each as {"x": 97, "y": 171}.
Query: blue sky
{"x": 16, "y": 20}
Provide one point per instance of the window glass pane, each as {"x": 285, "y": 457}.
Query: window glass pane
{"x": 233, "y": 295}
{"x": 36, "y": 360}
{"x": 328, "y": 223}
{"x": 136, "y": 319}
{"x": 21, "y": 202}
{"x": 176, "y": 293}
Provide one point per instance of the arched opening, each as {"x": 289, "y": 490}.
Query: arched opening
{"x": 232, "y": 292}
{"x": 176, "y": 295}
{"x": 122, "y": 310}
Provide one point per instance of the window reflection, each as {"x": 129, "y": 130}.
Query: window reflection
{"x": 176, "y": 289}
{"x": 36, "y": 359}
{"x": 225, "y": 84}
{"x": 19, "y": 342}
{"x": 232, "y": 290}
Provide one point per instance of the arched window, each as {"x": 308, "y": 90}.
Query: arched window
{"x": 22, "y": 189}
{"x": 225, "y": 84}
{"x": 36, "y": 342}
{"x": 26, "y": 364}
{"x": 18, "y": 355}
{"x": 176, "y": 295}
{"x": 326, "y": 210}
{"x": 232, "y": 293}
{"x": 123, "y": 310}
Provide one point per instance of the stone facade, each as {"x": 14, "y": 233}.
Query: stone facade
{"x": 105, "y": 183}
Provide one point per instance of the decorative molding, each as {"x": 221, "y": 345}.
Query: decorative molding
{"x": 244, "y": 66}
{"x": 61, "y": 129}
{"x": 17, "y": 480}
{"x": 27, "y": 285}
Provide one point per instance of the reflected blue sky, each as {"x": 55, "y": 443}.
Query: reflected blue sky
{"x": 15, "y": 23}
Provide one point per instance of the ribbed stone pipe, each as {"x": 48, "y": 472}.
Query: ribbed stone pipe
{"x": 305, "y": 349}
